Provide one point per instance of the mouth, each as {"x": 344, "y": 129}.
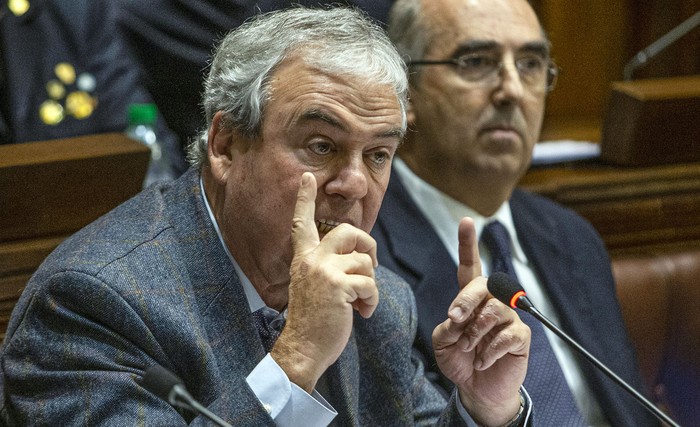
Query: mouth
{"x": 325, "y": 226}
{"x": 500, "y": 128}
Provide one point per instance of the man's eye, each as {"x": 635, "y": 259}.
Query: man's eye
{"x": 476, "y": 62}
{"x": 531, "y": 65}
{"x": 321, "y": 148}
{"x": 379, "y": 157}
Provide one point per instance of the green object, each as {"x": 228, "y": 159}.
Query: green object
{"x": 142, "y": 114}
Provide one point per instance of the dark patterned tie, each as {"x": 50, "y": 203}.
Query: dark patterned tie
{"x": 269, "y": 325}
{"x": 554, "y": 405}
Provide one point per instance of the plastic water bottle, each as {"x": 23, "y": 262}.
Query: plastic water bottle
{"x": 142, "y": 127}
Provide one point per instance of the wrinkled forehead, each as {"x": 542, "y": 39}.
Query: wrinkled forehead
{"x": 509, "y": 24}
{"x": 303, "y": 92}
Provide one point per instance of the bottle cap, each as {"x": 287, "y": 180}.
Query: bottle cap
{"x": 142, "y": 113}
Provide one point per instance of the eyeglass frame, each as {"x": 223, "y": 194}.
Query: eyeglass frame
{"x": 552, "y": 71}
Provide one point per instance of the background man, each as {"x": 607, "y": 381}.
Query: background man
{"x": 479, "y": 73}
{"x": 181, "y": 275}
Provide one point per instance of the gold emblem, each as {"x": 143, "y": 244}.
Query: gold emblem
{"x": 18, "y": 7}
{"x": 80, "y": 102}
{"x": 55, "y": 89}
{"x": 65, "y": 72}
{"x": 51, "y": 112}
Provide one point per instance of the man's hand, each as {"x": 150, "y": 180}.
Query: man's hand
{"x": 483, "y": 346}
{"x": 329, "y": 278}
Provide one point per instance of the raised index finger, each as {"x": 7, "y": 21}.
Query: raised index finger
{"x": 304, "y": 232}
{"x": 469, "y": 261}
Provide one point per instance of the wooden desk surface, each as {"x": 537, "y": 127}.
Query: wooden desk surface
{"x": 635, "y": 209}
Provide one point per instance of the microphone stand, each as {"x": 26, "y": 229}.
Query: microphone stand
{"x": 525, "y": 304}
{"x": 665, "y": 41}
{"x": 170, "y": 388}
{"x": 181, "y": 398}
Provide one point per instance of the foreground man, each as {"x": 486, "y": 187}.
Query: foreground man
{"x": 305, "y": 110}
{"x": 480, "y": 71}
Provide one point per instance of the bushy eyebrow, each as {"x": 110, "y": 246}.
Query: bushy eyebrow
{"x": 538, "y": 47}
{"x": 315, "y": 114}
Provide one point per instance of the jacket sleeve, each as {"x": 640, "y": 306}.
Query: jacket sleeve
{"x": 79, "y": 348}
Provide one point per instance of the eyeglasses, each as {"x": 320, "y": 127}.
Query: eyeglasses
{"x": 534, "y": 70}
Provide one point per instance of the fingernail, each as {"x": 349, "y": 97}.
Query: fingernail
{"x": 304, "y": 179}
{"x": 457, "y": 314}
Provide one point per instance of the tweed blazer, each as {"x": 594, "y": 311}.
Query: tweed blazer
{"x": 571, "y": 262}
{"x": 150, "y": 283}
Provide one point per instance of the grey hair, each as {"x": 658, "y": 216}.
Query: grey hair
{"x": 412, "y": 34}
{"x": 409, "y": 32}
{"x": 338, "y": 40}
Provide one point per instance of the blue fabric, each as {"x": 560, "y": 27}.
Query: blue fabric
{"x": 568, "y": 257}
{"x": 150, "y": 283}
{"x": 545, "y": 380}
{"x": 268, "y": 326}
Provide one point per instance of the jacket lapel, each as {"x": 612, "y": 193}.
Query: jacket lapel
{"x": 556, "y": 267}
{"x": 218, "y": 293}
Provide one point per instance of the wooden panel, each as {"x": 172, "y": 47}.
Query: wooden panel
{"x": 588, "y": 39}
{"x": 593, "y": 40}
{"x": 56, "y": 187}
{"x": 636, "y": 210}
{"x": 653, "y": 121}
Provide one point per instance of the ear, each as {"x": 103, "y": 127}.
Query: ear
{"x": 219, "y": 150}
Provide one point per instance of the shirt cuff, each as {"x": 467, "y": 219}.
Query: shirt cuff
{"x": 288, "y": 404}
{"x": 470, "y": 421}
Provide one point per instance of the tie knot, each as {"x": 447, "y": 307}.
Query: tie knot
{"x": 497, "y": 240}
{"x": 269, "y": 324}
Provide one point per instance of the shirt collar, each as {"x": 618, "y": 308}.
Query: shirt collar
{"x": 444, "y": 213}
{"x": 254, "y": 300}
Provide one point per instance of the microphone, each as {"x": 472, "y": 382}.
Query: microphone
{"x": 665, "y": 41}
{"x": 510, "y": 293}
{"x": 170, "y": 388}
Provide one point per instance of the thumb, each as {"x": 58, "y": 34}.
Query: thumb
{"x": 304, "y": 232}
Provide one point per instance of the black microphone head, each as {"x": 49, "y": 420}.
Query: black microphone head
{"x": 507, "y": 290}
{"x": 159, "y": 381}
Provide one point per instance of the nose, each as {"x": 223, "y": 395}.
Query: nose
{"x": 349, "y": 180}
{"x": 510, "y": 90}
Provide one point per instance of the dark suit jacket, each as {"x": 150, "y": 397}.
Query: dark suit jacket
{"x": 84, "y": 34}
{"x": 150, "y": 283}
{"x": 570, "y": 260}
